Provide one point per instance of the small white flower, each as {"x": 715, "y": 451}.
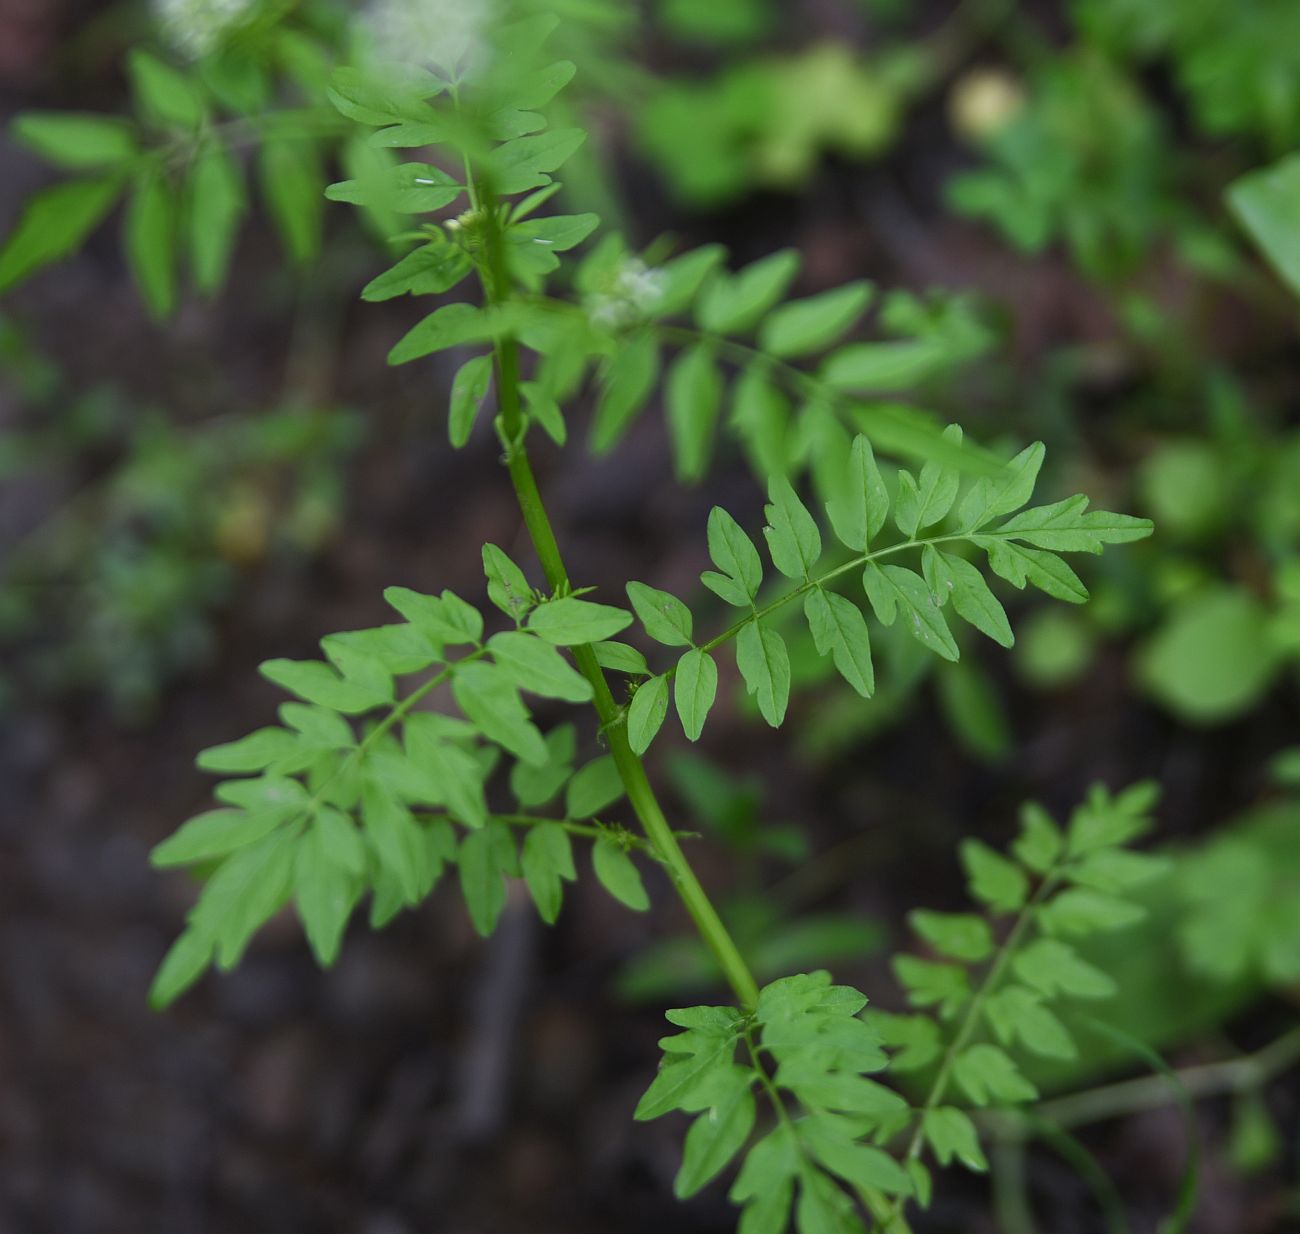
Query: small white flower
{"x": 632, "y": 294}
{"x": 448, "y": 35}
{"x": 196, "y": 27}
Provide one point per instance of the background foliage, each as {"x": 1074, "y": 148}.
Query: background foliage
{"x": 1074, "y": 226}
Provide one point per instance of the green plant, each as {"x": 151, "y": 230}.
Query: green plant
{"x": 368, "y": 788}
{"x": 114, "y": 587}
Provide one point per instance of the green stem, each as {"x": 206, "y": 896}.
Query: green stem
{"x": 630, "y": 768}
{"x": 1233, "y": 1075}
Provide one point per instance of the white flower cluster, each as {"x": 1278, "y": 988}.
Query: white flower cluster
{"x": 196, "y": 27}
{"x": 448, "y": 35}
{"x": 633, "y": 293}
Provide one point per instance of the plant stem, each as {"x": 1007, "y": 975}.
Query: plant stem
{"x": 1233, "y": 1075}
{"x": 630, "y": 768}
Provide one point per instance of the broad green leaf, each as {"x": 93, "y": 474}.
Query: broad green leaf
{"x": 765, "y": 1184}
{"x": 394, "y": 837}
{"x": 694, "y": 689}
{"x": 733, "y": 303}
{"x": 256, "y": 752}
{"x": 522, "y": 164}
{"x": 1116, "y": 870}
{"x": 507, "y": 587}
{"x": 932, "y": 985}
{"x": 859, "y": 1165}
{"x": 245, "y": 892}
{"x": 1080, "y": 911}
{"x": 375, "y": 99}
{"x": 570, "y": 622}
{"x": 53, "y": 225}
{"x": 163, "y": 94}
{"x": 456, "y": 772}
{"x": 215, "y": 833}
{"x": 686, "y": 1075}
{"x": 427, "y": 271}
{"x": 693, "y": 398}
{"x": 665, "y": 618}
{"x": 733, "y": 552}
{"x": 593, "y": 788}
{"x": 339, "y": 840}
{"x": 626, "y": 381}
{"x": 859, "y": 514}
{"x": 325, "y": 894}
{"x": 185, "y": 962}
{"x": 915, "y": 1039}
{"x": 537, "y": 666}
{"x": 884, "y": 366}
{"x": 291, "y": 179}
{"x": 403, "y": 188}
{"x": 1267, "y": 204}
{"x": 992, "y": 879}
{"x": 1051, "y": 966}
{"x": 974, "y": 601}
{"x": 760, "y": 417}
{"x": 683, "y": 276}
{"x": 488, "y": 697}
{"x": 468, "y": 391}
{"x": 645, "y": 715}
{"x": 922, "y": 1182}
{"x": 890, "y": 588}
{"x": 557, "y": 233}
{"x": 839, "y": 629}
{"x": 1017, "y": 1013}
{"x": 486, "y": 857}
{"x": 358, "y": 666}
{"x": 991, "y": 496}
{"x": 1102, "y": 820}
{"x": 319, "y": 683}
{"x": 1020, "y": 565}
{"x": 764, "y": 663}
{"x": 716, "y": 1136}
{"x": 1069, "y": 527}
{"x": 535, "y": 786}
{"x": 217, "y": 202}
{"x": 817, "y": 1086}
{"x": 950, "y": 1133}
{"x": 543, "y": 408}
{"x": 149, "y": 239}
{"x": 453, "y": 325}
{"x": 75, "y": 141}
{"x": 936, "y": 490}
{"x": 823, "y": 1208}
{"x": 959, "y": 936}
{"x": 989, "y": 1077}
{"x": 620, "y": 658}
{"x": 802, "y": 327}
{"x": 362, "y": 161}
{"x": 618, "y": 875}
{"x": 265, "y": 794}
{"x": 441, "y": 619}
{"x": 546, "y": 860}
{"x": 1040, "y": 842}
{"x": 793, "y": 540}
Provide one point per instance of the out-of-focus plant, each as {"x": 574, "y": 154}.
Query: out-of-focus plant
{"x": 120, "y": 586}
{"x": 1238, "y": 64}
{"x": 766, "y": 122}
